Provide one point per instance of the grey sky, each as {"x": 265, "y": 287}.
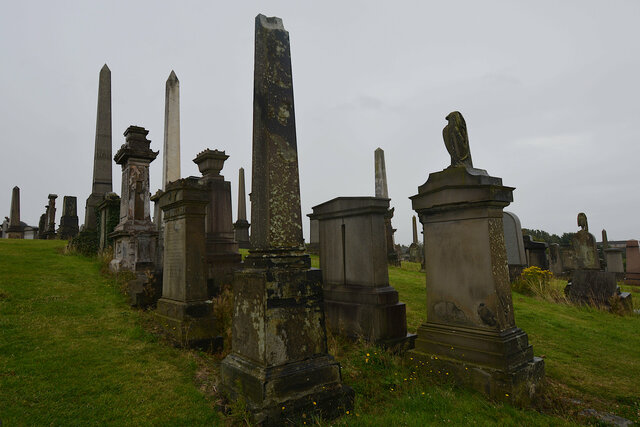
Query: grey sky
{"x": 549, "y": 91}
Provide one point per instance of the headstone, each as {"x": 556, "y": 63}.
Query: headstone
{"x": 596, "y": 288}
{"x": 555, "y": 259}
{"x": 102, "y": 175}
{"x": 279, "y": 362}
{"x": 536, "y": 252}
{"x": 69, "y": 219}
{"x": 241, "y": 226}
{"x": 108, "y": 218}
{"x": 358, "y": 300}
{"x": 382, "y": 192}
{"x": 584, "y": 246}
{"x": 135, "y": 235}
{"x": 632, "y": 275}
{"x": 614, "y": 262}
{"x": 184, "y": 311}
{"x": 516, "y": 255}
{"x": 416, "y": 254}
{"x": 51, "y": 217}
{"x": 222, "y": 253}
{"x": 470, "y": 331}
{"x": 16, "y": 229}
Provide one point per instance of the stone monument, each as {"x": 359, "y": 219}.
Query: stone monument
{"x": 69, "y": 219}
{"x": 16, "y": 229}
{"x": 108, "y": 218}
{"x": 135, "y": 235}
{"x": 42, "y": 225}
{"x": 51, "y": 217}
{"x": 223, "y": 257}
{"x": 279, "y": 362}
{"x": 516, "y": 255}
{"x": 314, "y": 237}
{"x": 184, "y": 310}
{"x": 241, "y": 226}
{"x": 536, "y": 252}
{"x": 614, "y": 262}
{"x": 102, "y": 176}
{"x": 382, "y": 192}
{"x": 632, "y": 275}
{"x": 470, "y": 330}
{"x": 584, "y": 246}
{"x": 555, "y": 259}
{"x": 358, "y": 300}
{"x": 416, "y": 254}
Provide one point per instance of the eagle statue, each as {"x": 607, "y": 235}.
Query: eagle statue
{"x": 456, "y": 140}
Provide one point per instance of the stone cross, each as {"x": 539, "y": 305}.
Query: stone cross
{"x": 102, "y": 175}
{"x": 171, "y": 151}
{"x": 241, "y": 226}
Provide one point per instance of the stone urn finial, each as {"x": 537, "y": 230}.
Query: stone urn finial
{"x": 210, "y": 162}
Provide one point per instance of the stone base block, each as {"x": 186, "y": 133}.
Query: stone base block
{"x": 189, "y": 324}
{"x": 373, "y": 314}
{"x": 145, "y": 290}
{"x": 15, "y": 235}
{"x": 289, "y": 393}
{"x": 519, "y": 386}
{"x": 632, "y": 279}
{"x": 221, "y": 267}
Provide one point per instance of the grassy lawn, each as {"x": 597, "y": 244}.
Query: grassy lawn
{"x": 73, "y": 353}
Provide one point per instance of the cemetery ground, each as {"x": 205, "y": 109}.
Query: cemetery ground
{"x": 73, "y": 353}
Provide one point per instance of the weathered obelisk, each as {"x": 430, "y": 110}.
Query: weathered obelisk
{"x": 171, "y": 151}
{"x": 415, "y": 230}
{"x": 279, "y": 362}
{"x": 241, "y": 226}
{"x": 15, "y": 230}
{"x": 102, "y": 177}
{"x": 382, "y": 192}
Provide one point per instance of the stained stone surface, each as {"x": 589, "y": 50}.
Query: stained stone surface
{"x": 516, "y": 255}
{"x": 184, "y": 310}
{"x": 222, "y": 253}
{"x": 16, "y": 229}
{"x": 102, "y": 173}
{"x": 135, "y": 235}
{"x": 382, "y": 192}
{"x": 359, "y": 302}
{"x": 69, "y": 218}
{"x": 108, "y": 218}
{"x": 585, "y": 250}
{"x": 241, "y": 226}
{"x": 470, "y": 328}
{"x": 614, "y": 262}
{"x": 598, "y": 288}
{"x": 51, "y": 217}
{"x": 279, "y": 362}
{"x": 632, "y": 275}
{"x": 555, "y": 259}
{"x": 536, "y": 252}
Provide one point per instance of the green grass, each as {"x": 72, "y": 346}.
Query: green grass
{"x": 73, "y": 353}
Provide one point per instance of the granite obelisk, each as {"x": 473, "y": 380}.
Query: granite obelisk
{"x": 382, "y": 192}
{"x": 102, "y": 176}
{"x": 171, "y": 151}
{"x": 241, "y": 226}
{"x": 279, "y": 362}
{"x": 15, "y": 230}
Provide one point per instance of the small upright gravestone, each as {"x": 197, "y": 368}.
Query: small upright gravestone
{"x": 69, "y": 219}
{"x": 184, "y": 309}
{"x": 223, "y": 257}
{"x": 632, "y": 275}
{"x": 16, "y": 229}
{"x": 279, "y": 362}
{"x": 358, "y": 300}
{"x": 516, "y": 255}
{"x": 470, "y": 331}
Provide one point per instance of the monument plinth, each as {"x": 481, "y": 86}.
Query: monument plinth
{"x": 279, "y": 362}
{"x": 470, "y": 329}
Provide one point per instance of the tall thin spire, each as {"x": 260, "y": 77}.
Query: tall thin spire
{"x": 242, "y": 198}
{"x": 381, "y": 174}
{"x": 171, "y": 151}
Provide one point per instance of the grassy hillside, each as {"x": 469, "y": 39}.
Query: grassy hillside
{"x": 73, "y": 353}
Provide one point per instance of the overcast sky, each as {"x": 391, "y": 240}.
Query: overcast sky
{"x": 549, "y": 90}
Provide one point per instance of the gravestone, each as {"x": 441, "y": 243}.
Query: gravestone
{"x": 241, "y": 226}
{"x": 51, "y": 217}
{"x": 223, "y": 257}
{"x": 108, "y": 218}
{"x": 555, "y": 259}
{"x": 614, "y": 262}
{"x": 584, "y": 246}
{"x": 279, "y": 363}
{"x": 382, "y": 192}
{"x": 516, "y": 255}
{"x": 597, "y": 288}
{"x": 69, "y": 219}
{"x": 42, "y": 225}
{"x": 632, "y": 275}
{"x": 358, "y": 300}
{"x": 16, "y": 229}
{"x": 536, "y": 252}
{"x": 184, "y": 310}
{"x": 470, "y": 331}
{"x": 102, "y": 174}
{"x": 135, "y": 235}
{"x": 314, "y": 237}
{"x": 416, "y": 254}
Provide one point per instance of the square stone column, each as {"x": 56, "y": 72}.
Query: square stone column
{"x": 359, "y": 302}
{"x": 223, "y": 257}
{"x": 135, "y": 235}
{"x": 51, "y": 217}
{"x": 184, "y": 310}
{"x": 470, "y": 329}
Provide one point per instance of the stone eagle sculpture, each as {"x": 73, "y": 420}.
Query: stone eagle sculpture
{"x": 456, "y": 140}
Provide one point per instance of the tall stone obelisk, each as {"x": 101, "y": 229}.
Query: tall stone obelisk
{"x": 382, "y": 192}
{"x": 279, "y": 362}
{"x": 171, "y": 151}
{"x": 241, "y": 226}
{"x": 15, "y": 230}
{"x": 102, "y": 176}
